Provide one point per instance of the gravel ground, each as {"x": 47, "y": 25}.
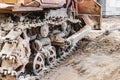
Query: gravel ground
{"x": 99, "y": 60}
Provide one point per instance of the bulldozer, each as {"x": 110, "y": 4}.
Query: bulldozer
{"x": 35, "y": 35}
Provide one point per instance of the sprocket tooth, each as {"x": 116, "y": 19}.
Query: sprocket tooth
{"x": 45, "y": 68}
{"x": 68, "y": 55}
{"x": 5, "y": 72}
{"x": 7, "y": 57}
{"x": 55, "y": 64}
{"x": 58, "y": 61}
{"x": 72, "y": 52}
{"x": 51, "y": 66}
{"x": 8, "y": 72}
{"x": 12, "y": 41}
{"x": 13, "y": 73}
{"x": 78, "y": 44}
{"x": 12, "y": 58}
{"x": 74, "y": 49}
{"x": 21, "y": 78}
{"x": 47, "y": 71}
{"x": 62, "y": 59}
{"x": 4, "y": 56}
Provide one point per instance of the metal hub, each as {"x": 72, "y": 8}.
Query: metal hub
{"x": 44, "y": 30}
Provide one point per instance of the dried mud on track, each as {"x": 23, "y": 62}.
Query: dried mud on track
{"x": 99, "y": 60}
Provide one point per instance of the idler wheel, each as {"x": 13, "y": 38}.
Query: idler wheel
{"x": 38, "y": 64}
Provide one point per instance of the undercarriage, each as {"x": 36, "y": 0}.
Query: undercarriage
{"x": 31, "y": 43}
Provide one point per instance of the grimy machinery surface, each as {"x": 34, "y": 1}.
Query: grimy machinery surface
{"x": 36, "y": 34}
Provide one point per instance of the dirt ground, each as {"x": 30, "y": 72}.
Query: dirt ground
{"x": 99, "y": 60}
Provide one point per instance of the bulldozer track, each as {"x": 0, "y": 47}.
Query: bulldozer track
{"x": 31, "y": 46}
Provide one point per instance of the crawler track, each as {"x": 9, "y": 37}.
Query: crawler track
{"x": 32, "y": 44}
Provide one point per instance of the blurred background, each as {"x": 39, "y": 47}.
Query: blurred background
{"x": 110, "y": 7}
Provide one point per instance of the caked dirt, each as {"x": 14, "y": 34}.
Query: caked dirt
{"x": 99, "y": 60}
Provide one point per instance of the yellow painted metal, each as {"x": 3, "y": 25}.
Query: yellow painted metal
{"x": 9, "y": 1}
{"x": 1, "y": 1}
{"x": 92, "y": 9}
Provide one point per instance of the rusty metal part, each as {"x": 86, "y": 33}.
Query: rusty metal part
{"x": 29, "y": 5}
{"x": 7, "y": 49}
{"x": 44, "y": 30}
{"x": 51, "y": 55}
{"x": 79, "y": 35}
{"x": 32, "y": 43}
{"x": 37, "y": 46}
{"x": 39, "y": 64}
{"x": 15, "y": 55}
{"x": 12, "y": 35}
{"x": 22, "y": 49}
{"x": 91, "y": 8}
